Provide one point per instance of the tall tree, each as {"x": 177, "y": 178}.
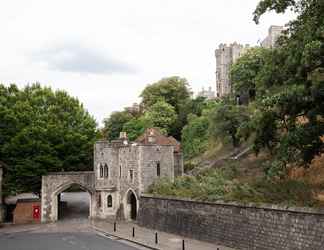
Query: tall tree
{"x": 289, "y": 120}
{"x": 161, "y": 115}
{"x": 173, "y": 90}
{"x": 41, "y": 131}
{"x": 136, "y": 127}
{"x": 115, "y": 123}
{"x": 244, "y": 72}
{"x": 226, "y": 120}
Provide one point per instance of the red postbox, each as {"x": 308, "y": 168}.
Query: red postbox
{"x": 36, "y": 212}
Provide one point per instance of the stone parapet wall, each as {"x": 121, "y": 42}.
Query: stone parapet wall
{"x": 235, "y": 225}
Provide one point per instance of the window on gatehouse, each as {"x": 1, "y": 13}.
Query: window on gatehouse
{"x": 158, "y": 169}
{"x": 101, "y": 171}
{"x": 106, "y": 171}
{"x": 109, "y": 201}
{"x": 131, "y": 175}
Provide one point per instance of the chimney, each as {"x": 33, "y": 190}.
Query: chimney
{"x": 151, "y": 136}
{"x": 122, "y": 135}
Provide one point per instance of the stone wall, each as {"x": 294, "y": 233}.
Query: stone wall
{"x": 23, "y": 213}
{"x": 234, "y": 225}
{"x": 150, "y": 157}
{"x": 55, "y": 183}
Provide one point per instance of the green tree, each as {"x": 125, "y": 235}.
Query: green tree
{"x": 289, "y": 120}
{"x": 136, "y": 127}
{"x": 226, "y": 120}
{"x": 173, "y": 90}
{"x": 195, "y": 136}
{"x": 42, "y": 131}
{"x": 115, "y": 123}
{"x": 245, "y": 71}
{"x": 161, "y": 115}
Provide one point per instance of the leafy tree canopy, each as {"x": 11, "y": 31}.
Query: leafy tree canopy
{"x": 245, "y": 72}
{"x": 289, "y": 86}
{"x": 42, "y": 131}
{"x": 115, "y": 123}
{"x": 136, "y": 127}
{"x": 195, "y": 136}
{"x": 226, "y": 121}
{"x": 173, "y": 90}
{"x": 161, "y": 115}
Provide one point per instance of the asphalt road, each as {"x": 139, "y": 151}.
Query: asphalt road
{"x": 77, "y": 205}
{"x": 59, "y": 241}
{"x": 72, "y": 232}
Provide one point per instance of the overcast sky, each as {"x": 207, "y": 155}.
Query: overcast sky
{"x": 105, "y": 52}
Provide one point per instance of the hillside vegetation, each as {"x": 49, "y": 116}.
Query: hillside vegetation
{"x": 280, "y": 118}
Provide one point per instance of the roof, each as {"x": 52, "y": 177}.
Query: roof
{"x": 11, "y": 200}
{"x": 160, "y": 139}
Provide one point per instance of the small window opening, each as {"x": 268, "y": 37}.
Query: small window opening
{"x": 131, "y": 174}
{"x": 101, "y": 171}
{"x": 109, "y": 201}
{"x": 120, "y": 172}
{"x": 99, "y": 200}
{"x": 158, "y": 169}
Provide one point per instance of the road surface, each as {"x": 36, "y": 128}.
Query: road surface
{"x": 59, "y": 241}
{"x": 72, "y": 232}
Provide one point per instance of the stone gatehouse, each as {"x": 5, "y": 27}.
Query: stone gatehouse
{"x": 123, "y": 170}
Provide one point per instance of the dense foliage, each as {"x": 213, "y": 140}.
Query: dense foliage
{"x": 195, "y": 136}
{"x": 42, "y": 131}
{"x": 165, "y": 104}
{"x": 227, "y": 120}
{"x": 221, "y": 184}
{"x": 114, "y": 125}
{"x": 289, "y": 87}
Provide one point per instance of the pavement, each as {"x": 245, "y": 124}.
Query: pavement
{"x": 146, "y": 237}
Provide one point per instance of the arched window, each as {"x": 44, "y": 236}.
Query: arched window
{"x": 106, "y": 171}
{"x": 101, "y": 171}
{"x": 158, "y": 169}
{"x": 120, "y": 172}
{"x": 109, "y": 201}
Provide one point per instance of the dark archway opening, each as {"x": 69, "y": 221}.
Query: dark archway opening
{"x": 73, "y": 203}
{"x": 133, "y": 206}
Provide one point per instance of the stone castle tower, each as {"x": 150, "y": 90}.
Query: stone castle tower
{"x": 226, "y": 55}
{"x": 274, "y": 33}
{"x": 123, "y": 170}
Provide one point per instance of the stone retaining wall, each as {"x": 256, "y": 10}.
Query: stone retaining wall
{"x": 235, "y": 225}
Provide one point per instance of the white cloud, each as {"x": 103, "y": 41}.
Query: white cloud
{"x": 75, "y": 58}
{"x": 91, "y": 47}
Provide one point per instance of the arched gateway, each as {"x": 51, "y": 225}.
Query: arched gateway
{"x": 55, "y": 183}
{"x": 123, "y": 170}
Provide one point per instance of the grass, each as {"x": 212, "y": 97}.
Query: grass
{"x": 227, "y": 184}
{"x": 244, "y": 181}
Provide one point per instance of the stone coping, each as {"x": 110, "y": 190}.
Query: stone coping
{"x": 70, "y": 173}
{"x": 264, "y": 206}
{"x": 28, "y": 200}
{"x": 121, "y": 145}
